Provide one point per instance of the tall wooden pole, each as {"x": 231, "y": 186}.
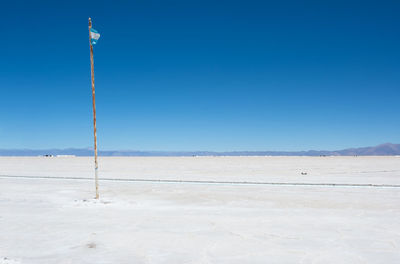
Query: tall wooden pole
{"x": 94, "y": 114}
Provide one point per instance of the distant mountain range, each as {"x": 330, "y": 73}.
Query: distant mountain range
{"x": 386, "y": 149}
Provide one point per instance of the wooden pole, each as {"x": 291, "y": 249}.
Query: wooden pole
{"x": 96, "y": 179}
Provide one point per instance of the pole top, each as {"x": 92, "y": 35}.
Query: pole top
{"x": 90, "y": 21}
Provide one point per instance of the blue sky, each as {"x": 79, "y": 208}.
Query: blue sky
{"x": 201, "y": 75}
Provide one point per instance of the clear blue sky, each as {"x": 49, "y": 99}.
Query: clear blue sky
{"x": 201, "y": 75}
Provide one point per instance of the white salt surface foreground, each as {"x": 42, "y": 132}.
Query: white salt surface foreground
{"x": 56, "y": 219}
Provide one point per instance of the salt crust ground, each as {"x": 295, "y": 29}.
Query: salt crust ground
{"x": 372, "y": 170}
{"x": 57, "y": 221}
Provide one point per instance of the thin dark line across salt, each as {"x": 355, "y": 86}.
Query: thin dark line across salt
{"x": 211, "y": 181}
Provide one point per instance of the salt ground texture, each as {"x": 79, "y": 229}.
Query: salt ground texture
{"x": 57, "y": 221}
{"x": 361, "y": 170}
